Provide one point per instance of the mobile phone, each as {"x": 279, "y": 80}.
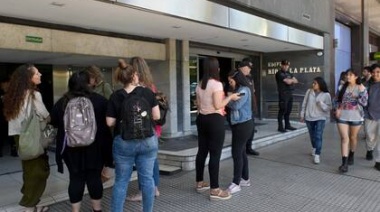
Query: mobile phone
{"x": 241, "y": 94}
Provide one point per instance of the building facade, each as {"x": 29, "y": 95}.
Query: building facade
{"x": 174, "y": 36}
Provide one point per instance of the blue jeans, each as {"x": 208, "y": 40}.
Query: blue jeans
{"x": 126, "y": 153}
{"x": 316, "y": 134}
{"x": 156, "y": 174}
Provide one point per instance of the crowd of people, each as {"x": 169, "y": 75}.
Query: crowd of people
{"x": 116, "y": 146}
{"x": 109, "y": 149}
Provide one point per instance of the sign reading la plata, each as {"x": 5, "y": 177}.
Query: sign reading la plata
{"x": 274, "y": 67}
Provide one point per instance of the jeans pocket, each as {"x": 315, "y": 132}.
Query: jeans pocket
{"x": 149, "y": 144}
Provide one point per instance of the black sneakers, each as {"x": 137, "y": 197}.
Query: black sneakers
{"x": 252, "y": 152}
{"x": 281, "y": 130}
{"x": 290, "y": 128}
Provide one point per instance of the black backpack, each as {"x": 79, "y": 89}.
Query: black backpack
{"x": 136, "y": 116}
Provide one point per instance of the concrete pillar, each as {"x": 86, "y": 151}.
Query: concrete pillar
{"x": 171, "y": 60}
{"x": 365, "y": 32}
{"x": 329, "y": 60}
{"x": 329, "y": 52}
{"x": 185, "y": 87}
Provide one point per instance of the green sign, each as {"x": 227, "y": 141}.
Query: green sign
{"x": 376, "y": 56}
{"x": 33, "y": 39}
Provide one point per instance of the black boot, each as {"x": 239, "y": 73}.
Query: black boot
{"x": 344, "y": 167}
{"x": 377, "y": 166}
{"x": 369, "y": 155}
{"x": 351, "y": 158}
{"x": 281, "y": 128}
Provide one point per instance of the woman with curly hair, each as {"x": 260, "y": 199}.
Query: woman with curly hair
{"x": 22, "y": 87}
{"x": 97, "y": 83}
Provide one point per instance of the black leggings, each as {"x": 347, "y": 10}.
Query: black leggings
{"x": 211, "y": 132}
{"x": 240, "y": 133}
{"x": 78, "y": 180}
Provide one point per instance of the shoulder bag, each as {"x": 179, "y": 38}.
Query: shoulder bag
{"x": 29, "y": 142}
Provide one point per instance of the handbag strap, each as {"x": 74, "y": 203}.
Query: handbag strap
{"x": 29, "y": 112}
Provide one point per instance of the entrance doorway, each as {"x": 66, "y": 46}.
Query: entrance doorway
{"x": 196, "y": 73}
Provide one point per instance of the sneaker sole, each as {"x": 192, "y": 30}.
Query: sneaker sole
{"x": 203, "y": 189}
{"x": 245, "y": 184}
{"x": 220, "y": 198}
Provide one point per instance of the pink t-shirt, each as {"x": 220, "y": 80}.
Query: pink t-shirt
{"x": 206, "y": 105}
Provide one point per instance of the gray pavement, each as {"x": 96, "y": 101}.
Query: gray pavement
{"x": 283, "y": 179}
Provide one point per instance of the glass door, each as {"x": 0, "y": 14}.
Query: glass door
{"x": 194, "y": 79}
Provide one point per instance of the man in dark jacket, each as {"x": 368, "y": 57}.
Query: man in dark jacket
{"x": 245, "y": 68}
{"x": 372, "y": 117}
{"x": 285, "y": 86}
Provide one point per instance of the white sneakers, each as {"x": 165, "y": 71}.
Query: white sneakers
{"x": 317, "y": 159}
{"x": 245, "y": 183}
{"x": 233, "y": 188}
{"x": 313, "y": 152}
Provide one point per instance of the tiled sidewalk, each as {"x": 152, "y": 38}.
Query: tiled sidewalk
{"x": 56, "y": 191}
{"x": 283, "y": 179}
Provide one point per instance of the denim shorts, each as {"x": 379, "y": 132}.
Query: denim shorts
{"x": 349, "y": 123}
